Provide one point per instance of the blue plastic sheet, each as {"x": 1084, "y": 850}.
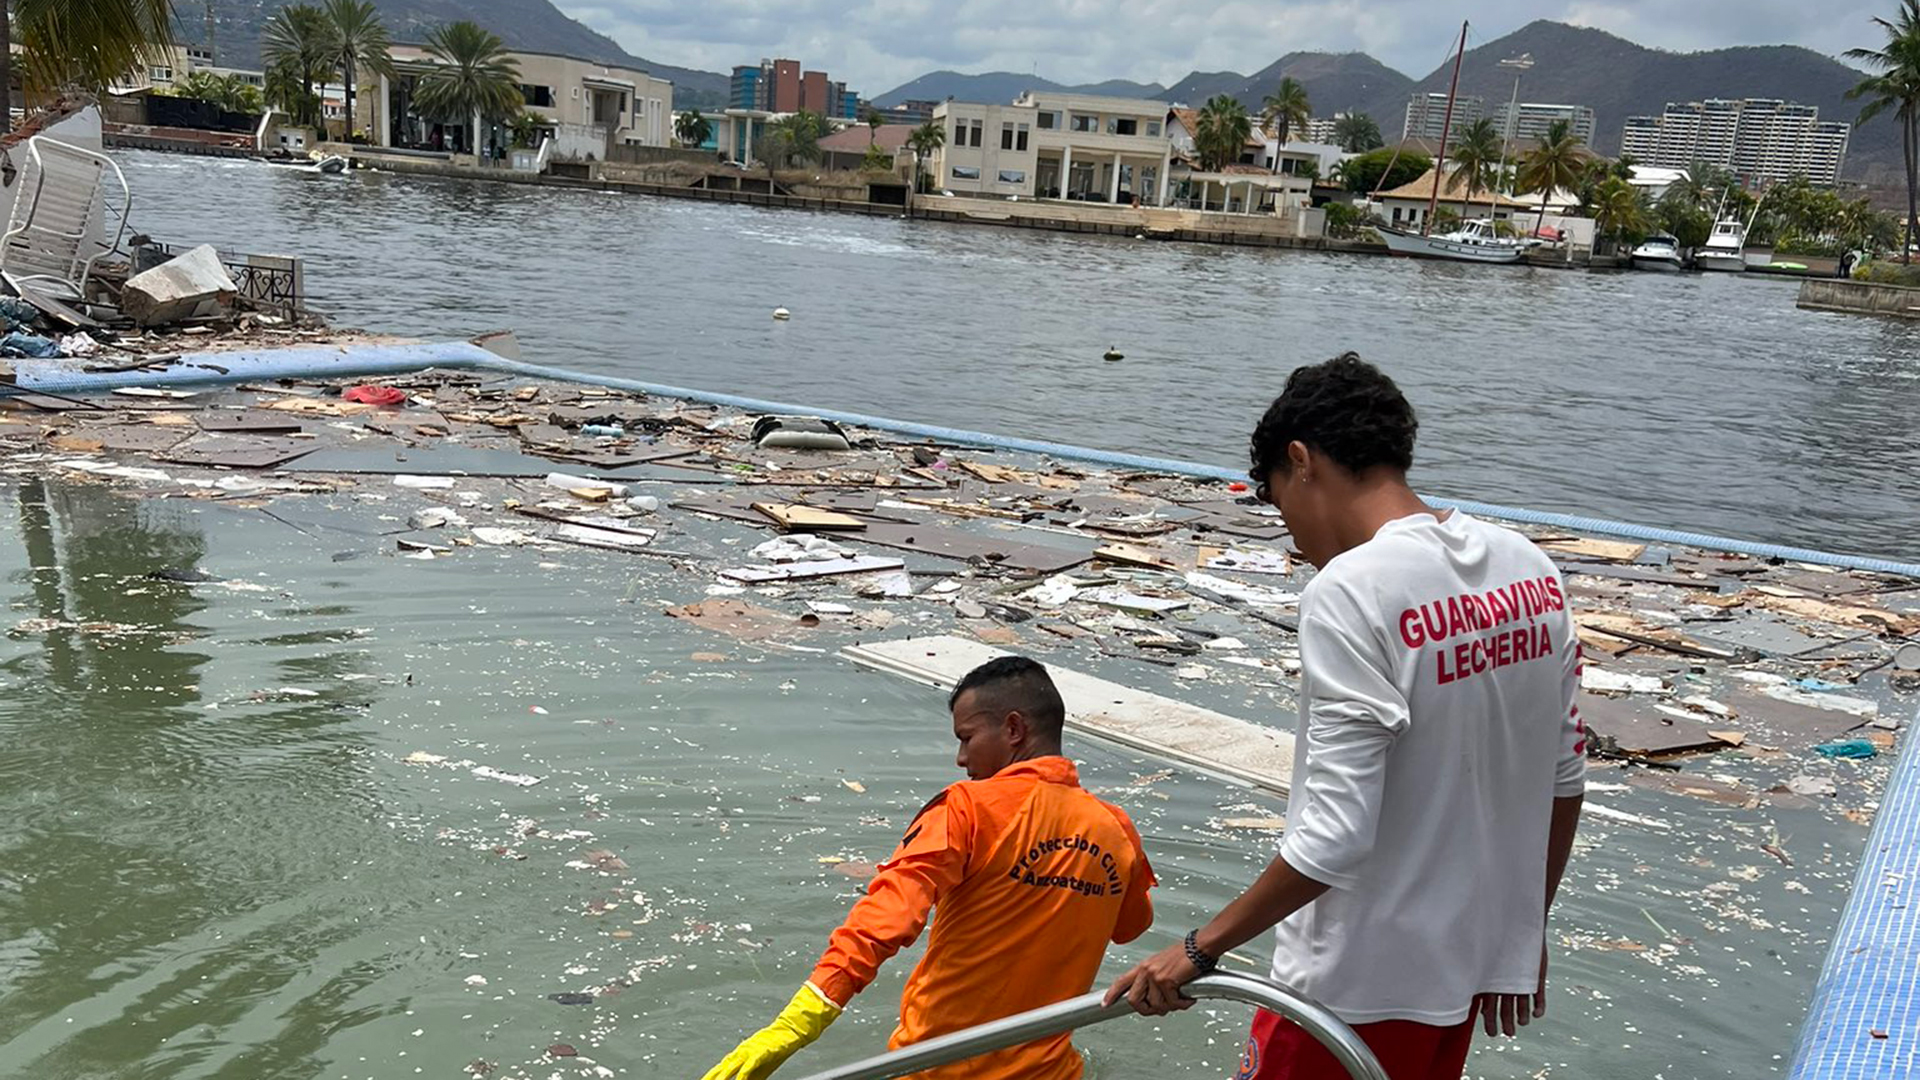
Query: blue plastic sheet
{"x": 20, "y": 344}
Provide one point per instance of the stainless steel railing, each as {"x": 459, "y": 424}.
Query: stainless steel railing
{"x": 1331, "y": 1032}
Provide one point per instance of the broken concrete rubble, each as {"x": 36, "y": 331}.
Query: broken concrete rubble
{"x": 195, "y": 283}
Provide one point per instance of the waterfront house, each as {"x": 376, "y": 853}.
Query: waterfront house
{"x": 1405, "y": 207}
{"x": 1268, "y": 178}
{"x": 1055, "y": 145}
{"x": 990, "y": 150}
{"x": 586, "y": 108}
{"x": 847, "y": 148}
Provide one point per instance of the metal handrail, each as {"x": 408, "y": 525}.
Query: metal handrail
{"x": 1329, "y": 1030}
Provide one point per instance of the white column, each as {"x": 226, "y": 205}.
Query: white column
{"x": 1066, "y": 170}
{"x": 1166, "y": 171}
{"x": 380, "y": 114}
{"x": 1113, "y": 189}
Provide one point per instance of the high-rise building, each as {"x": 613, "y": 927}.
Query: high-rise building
{"x": 779, "y": 86}
{"x": 786, "y": 86}
{"x": 747, "y": 91}
{"x": 1528, "y": 121}
{"x": 1427, "y": 115}
{"x": 1760, "y": 140}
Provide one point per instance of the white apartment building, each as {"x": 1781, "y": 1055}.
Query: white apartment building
{"x": 1056, "y": 146}
{"x": 1528, "y": 121}
{"x": 1427, "y": 115}
{"x": 1761, "y": 140}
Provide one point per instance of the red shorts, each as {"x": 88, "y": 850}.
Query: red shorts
{"x": 1280, "y": 1050}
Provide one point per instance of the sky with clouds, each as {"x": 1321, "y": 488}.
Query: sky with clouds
{"x": 875, "y": 45}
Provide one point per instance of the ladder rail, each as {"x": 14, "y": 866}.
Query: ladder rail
{"x": 1329, "y": 1030}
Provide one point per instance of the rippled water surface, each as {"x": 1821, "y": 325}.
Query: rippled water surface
{"x": 240, "y": 832}
{"x": 1700, "y": 401}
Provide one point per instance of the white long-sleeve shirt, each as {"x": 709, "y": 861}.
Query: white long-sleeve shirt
{"x": 1438, "y": 723}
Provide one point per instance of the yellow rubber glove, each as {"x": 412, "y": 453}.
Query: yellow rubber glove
{"x": 801, "y": 1022}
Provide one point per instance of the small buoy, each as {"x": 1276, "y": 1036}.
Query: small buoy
{"x": 782, "y": 313}
{"x": 1114, "y": 354}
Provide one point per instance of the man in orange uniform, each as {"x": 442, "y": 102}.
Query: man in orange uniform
{"x": 1032, "y": 876}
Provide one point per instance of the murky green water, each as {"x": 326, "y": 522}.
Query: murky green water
{"x": 217, "y": 861}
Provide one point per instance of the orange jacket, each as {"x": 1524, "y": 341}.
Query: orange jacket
{"x": 1033, "y": 877}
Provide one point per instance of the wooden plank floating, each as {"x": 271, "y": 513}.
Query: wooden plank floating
{"x": 1204, "y": 740}
{"x": 793, "y": 517}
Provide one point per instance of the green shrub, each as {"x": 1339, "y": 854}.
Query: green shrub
{"x": 1887, "y": 273}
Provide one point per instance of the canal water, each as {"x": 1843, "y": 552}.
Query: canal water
{"x": 242, "y": 834}
{"x": 1706, "y": 402}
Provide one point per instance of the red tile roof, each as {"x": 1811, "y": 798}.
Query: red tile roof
{"x": 853, "y": 140}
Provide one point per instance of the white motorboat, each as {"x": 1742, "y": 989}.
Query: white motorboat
{"x": 1660, "y": 252}
{"x": 1475, "y": 241}
{"x": 1726, "y": 249}
{"x": 328, "y": 164}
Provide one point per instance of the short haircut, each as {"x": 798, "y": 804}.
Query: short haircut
{"x": 1345, "y": 408}
{"x": 1010, "y": 684}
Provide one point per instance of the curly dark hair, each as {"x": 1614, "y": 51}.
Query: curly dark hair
{"x": 1345, "y": 408}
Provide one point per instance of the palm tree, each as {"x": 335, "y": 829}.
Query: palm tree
{"x": 794, "y": 138}
{"x": 1552, "y": 165}
{"x": 359, "y": 42}
{"x": 805, "y": 129}
{"x": 86, "y": 43}
{"x": 1285, "y": 109}
{"x": 1357, "y": 133}
{"x": 1896, "y": 87}
{"x": 926, "y": 139}
{"x": 280, "y": 87}
{"x": 475, "y": 81}
{"x": 299, "y": 41}
{"x": 229, "y": 92}
{"x": 691, "y": 128}
{"x": 1476, "y": 157}
{"x": 1224, "y": 128}
{"x": 874, "y": 120}
{"x": 1617, "y": 212}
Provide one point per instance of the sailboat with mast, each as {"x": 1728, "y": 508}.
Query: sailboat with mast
{"x": 1474, "y": 241}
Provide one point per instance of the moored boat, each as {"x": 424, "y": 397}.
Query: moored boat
{"x": 1474, "y": 241}
{"x": 328, "y": 164}
{"x": 1660, "y": 252}
{"x": 1725, "y": 250}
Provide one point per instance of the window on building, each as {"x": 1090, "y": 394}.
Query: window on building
{"x": 965, "y": 172}
{"x": 1013, "y": 176}
{"x": 1085, "y": 123}
{"x": 1006, "y": 136}
{"x": 1048, "y": 121}
{"x": 537, "y": 96}
{"x": 977, "y": 126}
{"x": 1153, "y": 129}
{"x": 1122, "y": 125}
{"x": 160, "y": 74}
{"x": 1020, "y": 143}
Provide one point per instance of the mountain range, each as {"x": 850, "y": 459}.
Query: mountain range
{"x": 1615, "y": 77}
{"x": 1574, "y": 65}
